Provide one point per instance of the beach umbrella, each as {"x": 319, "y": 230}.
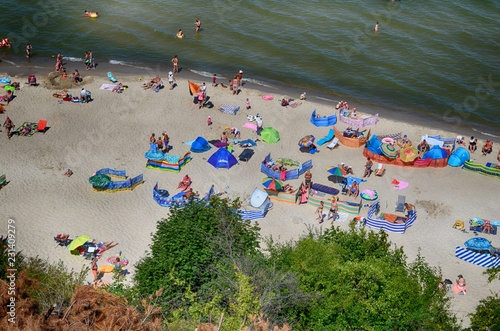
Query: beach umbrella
{"x": 272, "y": 183}
{"x": 435, "y": 153}
{"x": 478, "y": 243}
{"x": 408, "y": 154}
{"x": 389, "y": 151}
{"x": 78, "y": 242}
{"x": 306, "y": 141}
{"x": 270, "y": 135}
{"x": 336, "y": 171}
{"x": 336, "y": 179}
{"x": 100, "y": 180}
{"x": 369, "y": 195}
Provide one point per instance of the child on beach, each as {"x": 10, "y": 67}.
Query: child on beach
{"x": 214, "y": 80}
{"x": 303, "y": 96}
{"x": 319, "y": 211}
{"x": 209, "y": 121}
{"x": 152, "y": 139}
{"x": 248, "y": 104}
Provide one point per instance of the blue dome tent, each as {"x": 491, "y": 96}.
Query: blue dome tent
{"x": 222, "y": 159}
{"x": 200, "y": 145}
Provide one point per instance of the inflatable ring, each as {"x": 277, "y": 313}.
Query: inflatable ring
{"x": 106, "y": 269}
{"x": 112, "y": 260}
{"x": 388, "y": 141}
{"x": 267, "y": 97}
{"x": 5, "y": 81}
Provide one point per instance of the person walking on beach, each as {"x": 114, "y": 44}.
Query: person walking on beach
{"x": 376, "y": 27}
{"x": 236, "y": 84}
{"x": 8, "y": 126}
{"x": 333, "y": 209}
{"x": 368, "y": 167}
{"x": 171, "y": 80}
{"x": 87, "y": 61}
{"x": 175, "y": 62}
{"x": 319, "y": 211}
{"x": 198, "y": 25}
{"x": 91, "y": 60}
{"x": 214, "y": 80}
{"x": 28, "y": 51}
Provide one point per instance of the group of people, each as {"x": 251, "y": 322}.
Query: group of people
{"x": 185, "y": 186}
{"x": 161, "y": 143}
{"x": 331, "y": 213}
{"x": 155, "y": 83}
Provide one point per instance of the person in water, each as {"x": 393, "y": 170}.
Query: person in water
{"x": 376, "y": 27}
{"x": 197, "y": 24}
{"x": 28, "y": 51}
{"x": 180, "y": 35}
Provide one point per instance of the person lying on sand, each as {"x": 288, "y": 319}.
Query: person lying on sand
{"x": 63, "y": 94}
{"x": 26, "y": 130}
{"x": 184, "y": 183}
{"x": 68, "y": 172}
{"x": 287, "y": 188}
{"x": 117, "y": 88}
{"x": 279, "y": 167}
{"x": 189, "y": 194}
{"x": 405, "y": 142}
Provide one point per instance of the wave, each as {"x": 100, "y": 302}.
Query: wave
{"x": 256, "y": 81}
{"x": 486, "y": 133}
{"x": 73, "y": 59}
{"x": 205, "y": 73}
{"x": 11, "y": 63}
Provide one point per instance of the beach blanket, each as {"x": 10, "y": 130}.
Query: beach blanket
{"x": 32, "y": 126}
{"x": 341, "y": 217}
{"x": 250, "y": 126}
{"x": 395, "y": 136}
{"x": 401, "y": 185}
{"x": 288, "y": 162}
{"x": 247, "y": 143}
{"x": 220, "y": 144}
{"x": 229, "y": 109}
{"x": 108, "y": 87}
{"x": 296, "y": 104}
{"x": 351, "y": 179}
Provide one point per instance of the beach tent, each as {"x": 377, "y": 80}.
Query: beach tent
{"x": 222, "y": 159}
{"x": 458, "y": 158}
{"x": 435, "y": 153}
{"x": 200, "y": 145}
{"x": 478, "y": 244}
{"x": 373, "y": 145}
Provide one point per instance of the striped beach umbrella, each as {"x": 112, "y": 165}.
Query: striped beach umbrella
{"x": 272, "y": 183}
{"x": 389, "y": 151}
{"x": 306, "y": 141}
{"x": 336, "y": 171}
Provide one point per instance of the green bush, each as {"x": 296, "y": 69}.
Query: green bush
{"x": 363, "y": 284}
{"x": 487, "y": 314}
{"x": 189, "y": 245}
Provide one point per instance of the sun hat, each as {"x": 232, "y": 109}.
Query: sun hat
{"x": 170, "y": 72}
{"x": 241, "y": 71}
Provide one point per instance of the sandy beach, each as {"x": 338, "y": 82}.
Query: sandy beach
{"x": 113, "y": 131}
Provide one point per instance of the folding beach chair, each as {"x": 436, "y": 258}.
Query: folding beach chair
{"x": 380, "y": 170}
{"x": 42, "y": 125}
{"x": 3, "y": 181}
{"x": 32, "y": 80}
{"x": 400, "y": 205}
{"x": 333, "y": 144}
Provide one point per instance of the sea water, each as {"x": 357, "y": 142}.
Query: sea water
{"x": 439, "y": 58}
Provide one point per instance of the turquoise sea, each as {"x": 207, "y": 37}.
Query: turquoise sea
{"x": 439, "y": 58}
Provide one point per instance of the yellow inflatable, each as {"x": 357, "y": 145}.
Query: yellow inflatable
{"x": 106, "y": 268}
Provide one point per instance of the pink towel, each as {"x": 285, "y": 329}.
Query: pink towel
{"x": 401, "y": 186}
{"x": 283, "y": 175}
{"x": 250, "y": 126}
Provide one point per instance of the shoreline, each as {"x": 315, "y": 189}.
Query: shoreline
{"x": 44, "y": 65}
{"x": 113, "y": 131}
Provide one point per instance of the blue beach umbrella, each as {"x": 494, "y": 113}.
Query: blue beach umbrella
{"x": 478, "y": 243}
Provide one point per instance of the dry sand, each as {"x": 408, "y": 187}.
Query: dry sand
{"x": 114, "y": 129}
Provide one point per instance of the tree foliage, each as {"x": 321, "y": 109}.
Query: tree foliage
{"x": 363, "y": 283}
{"x": 487, "y": 314}
{"x": 188, "y": 245}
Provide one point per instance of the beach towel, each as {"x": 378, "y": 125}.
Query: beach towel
{"x": 247, "y": 143}
{"x": 351, "y": 179}
{"x": 341, "y": 217}
{"x": 295, "y": 105}
{"x": 228, "y": 109}
{"x": 108, "y": 87}
{"x": 32, "y": 126}
{"x": 283, "y": 175}
{"x": 401, "y": 185}
{"x": 267, "y": 97}
{"x": 250, "y": 126}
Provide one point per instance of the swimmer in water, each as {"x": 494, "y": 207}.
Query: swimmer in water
{"x": 198, "y": 25}
{"x": 180, "y": 35}
{"x": 376, "y": 27}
